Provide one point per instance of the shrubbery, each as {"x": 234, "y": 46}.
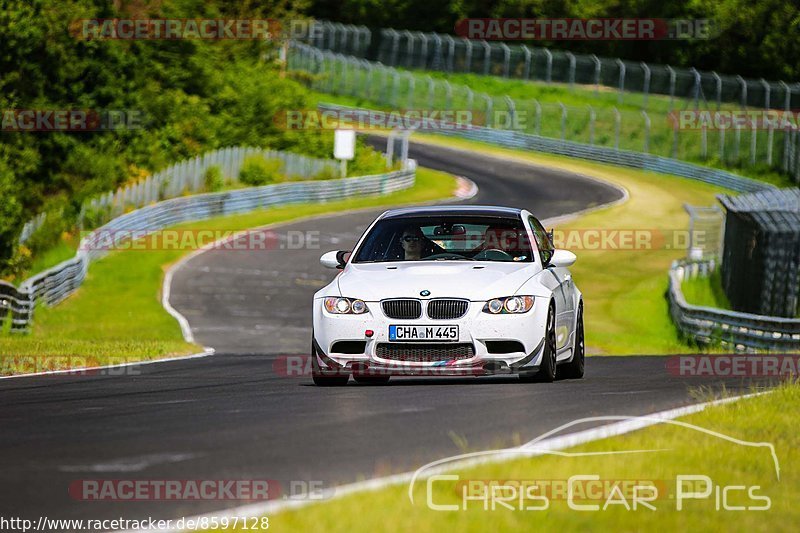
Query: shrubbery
{"x": 256, "y": 170}
{"x": 213, "y": 179}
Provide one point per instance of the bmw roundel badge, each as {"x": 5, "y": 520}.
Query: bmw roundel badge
{"x": 425, "y": 293}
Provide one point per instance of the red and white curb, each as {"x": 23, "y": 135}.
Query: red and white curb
{"x": 465, "y": 189}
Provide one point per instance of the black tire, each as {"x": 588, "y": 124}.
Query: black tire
{"x": 575, "y": 368}
{"x": 333, "y": 379}
{"x": 547, "y": 368}
{"x": 371, "y": 380}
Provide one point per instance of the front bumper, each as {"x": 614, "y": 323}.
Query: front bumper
{"x": 477, "y": 329}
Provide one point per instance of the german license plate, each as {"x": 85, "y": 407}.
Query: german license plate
{"x": 423, "y": 333}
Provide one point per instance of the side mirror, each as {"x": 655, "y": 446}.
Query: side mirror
{"x": 334, "y": 259}
{"x": 563, "y": 258}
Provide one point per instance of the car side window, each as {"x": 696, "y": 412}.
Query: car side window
{"x": 543, "y": 241}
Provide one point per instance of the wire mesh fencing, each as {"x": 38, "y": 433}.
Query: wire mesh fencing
{"x": 685, "y": 135}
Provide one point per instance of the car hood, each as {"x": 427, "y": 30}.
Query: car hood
{"x": 454, "y": 279}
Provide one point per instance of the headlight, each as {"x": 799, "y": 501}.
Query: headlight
{"x": 344, "y": 306}
{"x": 509, "y": 305}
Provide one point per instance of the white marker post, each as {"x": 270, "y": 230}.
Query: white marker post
{"x": 344, "y": 147}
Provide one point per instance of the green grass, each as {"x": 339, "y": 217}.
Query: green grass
{"x": 763, "y": 419}
{"x": 706, "y": 291}
{"x": 117, "y": 316}
{"x": 577, "y": 101}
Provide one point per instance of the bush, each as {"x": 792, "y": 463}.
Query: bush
{"x": 213, "y": 179}
{"x": 327, "y": 173}
{"x": 256, "y": 170}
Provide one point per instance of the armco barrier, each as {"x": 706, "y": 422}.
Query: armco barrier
{"x": 730, "y": 329}
{"x": 626, "y": 158}
{"x": 55, "y": 284}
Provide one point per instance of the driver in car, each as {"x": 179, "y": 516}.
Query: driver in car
{"x": 415, "y": 245}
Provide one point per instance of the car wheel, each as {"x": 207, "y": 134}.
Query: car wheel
{"x": 574, "y": 369}
{"x": 547, "y": 368}
{"x": 321, "y": 379}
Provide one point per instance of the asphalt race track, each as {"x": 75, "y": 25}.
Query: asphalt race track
{"x": 237, "y": 415}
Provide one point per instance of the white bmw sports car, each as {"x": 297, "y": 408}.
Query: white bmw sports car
{"x": 449, "y": 291}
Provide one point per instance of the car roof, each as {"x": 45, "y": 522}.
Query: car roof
{"x": 439, "y": 210}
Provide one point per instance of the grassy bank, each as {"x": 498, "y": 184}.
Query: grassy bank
{"x": 680, "y": 451}
{"x": 117, "y": 315}
{"x": 706, "y": 291}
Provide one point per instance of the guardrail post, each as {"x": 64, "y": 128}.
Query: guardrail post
{"x": 448, "y": 95}
{"x": 572, "y": 65}
{"x": 431, "y": 91}
{"x": 766, "y": 93}
{"x": 369, "y": 70}
{"x": 597, "y": 67}
{"x": 488, "y": 101}
{"x": 718, "y": 81}
{"x": 395, "y": 86}
{"x": 617, "y": 127}
{"x": 646, "y": 132}
{"x": 744, "y": 90}
{"x": 409, "y": 48}
{"x": 592, "y": 117}
{"x": 437, "y": 52}
{"x": 753, "y": 141}
{"x": 721, "y": 144}
{"x": 787, "y": 102}
{"x": 451, "y": 52}
{"x": 646, "y": 84}
{"x": 770, "y": 138}
{"x": 621, "y": 80}
{"x": 563, "y": 121}
{"x": 395, "y": 46}
{"x": 538, "y": 127}
{"x": 737, "y": 133}
{"x": 506, "y": 59}
{"x": 367, "y": 39}
{"x": 424, "y": 52}
{"x": 487, "y": 57}
{"x": 696, "y": 88}
{"x": 468, "y": 56}
{"x": 512, "y": 111}
{"x": 526, "y": 73}
{"x": 549, "y": 75}
{"x": 470, "y": 98}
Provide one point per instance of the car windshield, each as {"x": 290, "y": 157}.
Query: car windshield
{"x": 446, "y": 238}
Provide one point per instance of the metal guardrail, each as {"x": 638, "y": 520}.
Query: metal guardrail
{"x": 187, "y": 177}
{"x": 730, "y": 329}
{"x": 55, "y": 284}
{"x": 626, "y": 158}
